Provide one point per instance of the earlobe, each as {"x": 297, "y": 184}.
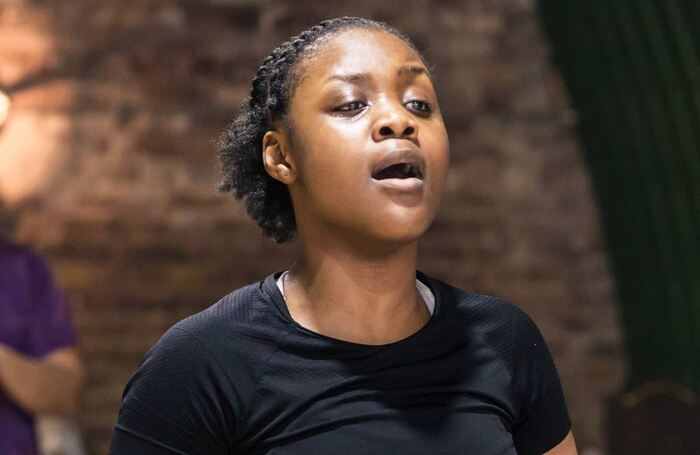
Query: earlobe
{"x": 276, "y": 158}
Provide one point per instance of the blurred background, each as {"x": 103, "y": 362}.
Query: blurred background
{"x": 573, "y": 188}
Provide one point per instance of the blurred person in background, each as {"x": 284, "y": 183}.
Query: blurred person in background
{"x": 40, "y": 372}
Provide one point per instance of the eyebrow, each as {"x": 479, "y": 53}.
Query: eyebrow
{"x": 352, "y": 78}
{"x": 414, "y": 70}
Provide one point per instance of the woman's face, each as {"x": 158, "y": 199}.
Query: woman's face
{"x": 365, "y": 101}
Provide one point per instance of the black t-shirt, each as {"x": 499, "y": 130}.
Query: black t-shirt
{"x": 242, "y": 377}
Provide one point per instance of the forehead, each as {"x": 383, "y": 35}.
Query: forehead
{"x": 356, "y": 51}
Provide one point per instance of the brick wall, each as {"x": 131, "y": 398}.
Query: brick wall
{"x": 107, "y": 167}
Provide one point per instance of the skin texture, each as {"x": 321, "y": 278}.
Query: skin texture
{"x": 354, "y": 278}
{"x": 49, "y": 385}
{"x": 566, "y": 447}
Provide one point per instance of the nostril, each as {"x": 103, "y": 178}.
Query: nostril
{"x": 385, "y": 131}
{"x": 408, "y": 131}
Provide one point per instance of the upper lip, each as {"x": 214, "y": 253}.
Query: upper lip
{"x": 398, "y": 156}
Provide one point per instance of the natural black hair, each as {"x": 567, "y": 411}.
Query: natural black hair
{"x": 266, "y": 199}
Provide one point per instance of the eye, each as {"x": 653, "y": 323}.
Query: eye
{"x": 421, "y": 106}
{"x": 351, "y": 106}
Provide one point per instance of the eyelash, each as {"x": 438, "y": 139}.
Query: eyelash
{"x": 343, "y": 107}
{"x": 427, "y": 108}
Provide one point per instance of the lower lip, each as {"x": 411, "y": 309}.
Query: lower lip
{"x": 405, "y": 185}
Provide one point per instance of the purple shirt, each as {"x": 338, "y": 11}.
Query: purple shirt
{"x": 34, "y": 320}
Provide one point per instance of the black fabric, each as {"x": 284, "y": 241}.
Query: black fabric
{"x": 242, "y": 377}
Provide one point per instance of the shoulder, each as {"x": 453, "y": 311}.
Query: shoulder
{"x": 490, "y": 313}
{"x": 210, "y": 357}
{"x": 9, "y": 248}
{"x": 231, "y": 335}
{"x": 242, "y": 313}
{"x": 20, "y": 256}
{"x": 514, "y": 337}
{"x": 506, "y": 327}
{"x": 26, "y": 269}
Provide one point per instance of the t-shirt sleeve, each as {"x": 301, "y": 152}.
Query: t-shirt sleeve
{"x": 50, "y": 325}
{"x": 543, "y": 420}
{"x": 179, "y": 401}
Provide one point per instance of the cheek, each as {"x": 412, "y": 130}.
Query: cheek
{"x": 440, "y": 147}
{"x": 331, "y": 166}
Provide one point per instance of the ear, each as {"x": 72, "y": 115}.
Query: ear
{"x": 277, "y": 158}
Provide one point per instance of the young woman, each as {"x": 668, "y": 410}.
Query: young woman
{"x": 352, "y": 350}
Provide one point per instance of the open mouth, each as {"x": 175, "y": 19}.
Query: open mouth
{"x": 399, "y": 171}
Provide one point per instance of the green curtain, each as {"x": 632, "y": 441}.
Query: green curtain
{"x": 632, "y": 68}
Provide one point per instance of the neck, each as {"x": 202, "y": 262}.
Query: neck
{"x": 361, "y": 294}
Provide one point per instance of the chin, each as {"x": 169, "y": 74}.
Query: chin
{"x": 394, "y": 229}
{"x": 402, "y": 233}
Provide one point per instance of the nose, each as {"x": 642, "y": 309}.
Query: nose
{"x": 393, "y": 121}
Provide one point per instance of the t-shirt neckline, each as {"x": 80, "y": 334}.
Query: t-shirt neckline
{"x": 424, "y": 291}
{"x": 272, "y": 291}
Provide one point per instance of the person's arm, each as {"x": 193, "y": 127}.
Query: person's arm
{"x": 566, "y": 447}
{"x": 46, "y": 385}
{"x": 543, "y": 425}
{"x": 45, "y": 376}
